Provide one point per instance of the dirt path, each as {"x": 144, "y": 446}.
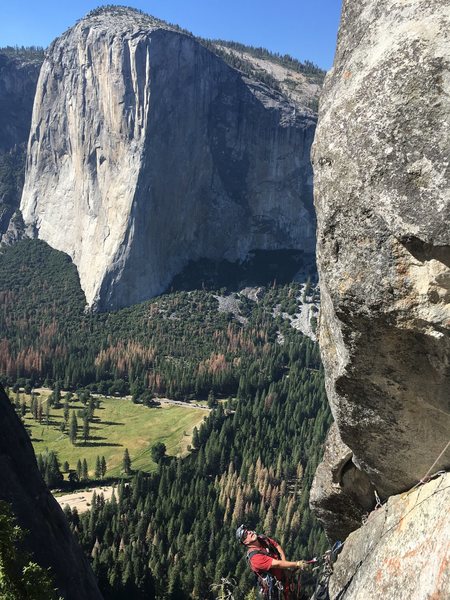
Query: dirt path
{"x": 82, "y": 499}
{"x": 179, "y": 403}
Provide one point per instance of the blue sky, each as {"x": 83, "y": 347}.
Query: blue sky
{"x": 306, "y": 29}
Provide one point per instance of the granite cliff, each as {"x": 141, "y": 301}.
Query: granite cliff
{"x": 382, "y": 180}
{"x": 48, "y": 537}
{"x": 147, "y": 150}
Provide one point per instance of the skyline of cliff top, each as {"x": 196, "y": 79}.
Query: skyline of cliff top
{"x": 306, "y": 31}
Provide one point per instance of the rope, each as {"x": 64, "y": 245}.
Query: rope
{"x": 427, "y": 476}
{"x": 326, "y": 569}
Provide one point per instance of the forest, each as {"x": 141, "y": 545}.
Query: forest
{"x": 170, "y": 534}
{"x": 177, "y": 344}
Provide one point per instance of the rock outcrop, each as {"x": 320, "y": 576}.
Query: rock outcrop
{"x": 382, "y": 181}
{"x": 147, "y": 150}
{"x": 341, "y": 494}
{"x": 48, "y": 538}
{"x": 382, "y": 194}
{"x": 402, "y": 552}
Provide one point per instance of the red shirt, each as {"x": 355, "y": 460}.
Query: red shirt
{"x": 261, "y": 563}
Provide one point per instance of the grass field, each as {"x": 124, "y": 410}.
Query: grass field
{"x": 117, "y": 424}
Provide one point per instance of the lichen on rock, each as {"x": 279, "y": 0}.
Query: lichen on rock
{"x": 403, "y": 550}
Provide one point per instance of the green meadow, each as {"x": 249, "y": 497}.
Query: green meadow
{"x": 117, "y": 424}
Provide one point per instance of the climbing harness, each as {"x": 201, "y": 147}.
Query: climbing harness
{"x": 269, "y": 587}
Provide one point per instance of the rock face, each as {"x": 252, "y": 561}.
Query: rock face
{"x": 402, "y": 552}
{"x": 19, "y": 71}
{"x": 382, "y": 191}
{"x": 49, "y": 539}
{"x": 147, "y": 151}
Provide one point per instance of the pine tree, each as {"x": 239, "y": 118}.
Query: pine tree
{"x": 79, "y": 469}
{"x": 212, "y": 402}
{"x": 126, "y": 462}
{"x": 73, "y": 430}
{"x": 33, "y": 406}
{"x": 98, "y": 468}
{"x": 66, "y": 410}
{"x": 57, "y": 395}
{"x": 103, "y": 466}
{"x": 158, "y": 452}
{"x": 84, "y": 470}
{"x": 195, "y": 438}
{"x": 85, "y": 428}
{"x": 268, "y": 522}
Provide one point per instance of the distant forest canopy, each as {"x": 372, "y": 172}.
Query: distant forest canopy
{"x": 24, "y": 52}
{"x": 306, "y": 67}
{"x": 178, "y": 344}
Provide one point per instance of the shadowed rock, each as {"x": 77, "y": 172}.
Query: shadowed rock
{"x": 19, "y": 71}
{"x": 48, "y": 535}
{"x": 341, "y": 494}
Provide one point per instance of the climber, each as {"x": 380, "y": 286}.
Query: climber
{"x": 268, "y": 561}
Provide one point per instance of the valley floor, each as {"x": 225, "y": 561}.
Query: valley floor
{"x": 118, "y": 424}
